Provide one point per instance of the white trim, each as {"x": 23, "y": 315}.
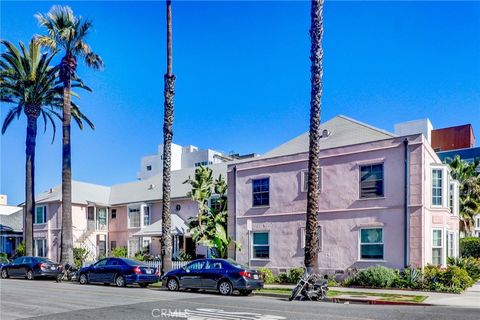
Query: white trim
{"x": 44, "y": 215}
{"x": 443, "y": 246}
{"x": 319, "y": 212}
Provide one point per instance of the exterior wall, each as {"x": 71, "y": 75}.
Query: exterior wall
{"x": 341, "y": 213}
{"x": 458, "y": 137}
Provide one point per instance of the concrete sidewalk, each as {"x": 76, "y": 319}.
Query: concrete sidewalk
{"x": 468, "y": 299}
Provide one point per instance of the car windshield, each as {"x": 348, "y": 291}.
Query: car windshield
{"x": 132, "y": 262}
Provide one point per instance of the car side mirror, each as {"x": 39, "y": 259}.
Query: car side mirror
{"x": 186, "y": 270}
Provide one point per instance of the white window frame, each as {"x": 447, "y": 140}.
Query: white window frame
{"x": 136, "y": 207}
{"x": 454, "y": 197}
{"x": 304, "y": 179}
{"x": 142, "y": 215}
{"x": 129, "y": 252}
{"x": 320, "y": 237}
{"x": 452, "y": 247}
{"x": 444, "y": 185}
{"x": 44, "y": 215}
{"x": 382, "y": 163}
{"x": 442, "y": 246}
{"x": 44, "y": 245}
{"x": 252, "y": 257}
{"x": 360, "y": 243}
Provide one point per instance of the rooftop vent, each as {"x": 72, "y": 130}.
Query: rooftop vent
{"x": 325, "y": 134}
{"x": 151, "y": 186}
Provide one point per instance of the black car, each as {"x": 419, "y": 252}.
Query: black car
{"x": 30, "y": 268}
{"x": 120, "y": 271}
{"x": 214, "y": 274}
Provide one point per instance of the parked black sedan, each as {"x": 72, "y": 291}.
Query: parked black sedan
{"x": 214, "y": 274}
{"x": 119, "y": 271}
{"x": 30, "y": 268}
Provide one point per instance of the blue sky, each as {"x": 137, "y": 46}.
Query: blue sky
{"x": 243, "y": 77}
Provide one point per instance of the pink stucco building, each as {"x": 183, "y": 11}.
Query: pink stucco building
{"x": 385, "y": 200}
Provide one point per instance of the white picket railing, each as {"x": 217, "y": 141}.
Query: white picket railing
{"x": 157, "y": 263}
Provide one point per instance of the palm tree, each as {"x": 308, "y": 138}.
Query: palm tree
{"x": 316, "y": 57}
{"x": 29, "y": 83}
{"x": 67, "y": 32}
{"x": 169, "y": 92}
{"x": 469, "y": 179}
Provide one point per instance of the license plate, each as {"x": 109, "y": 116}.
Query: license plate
{"x": 255, "y": 276}
{"x": 149, "y": 271}
{"x": 53, "y": 268}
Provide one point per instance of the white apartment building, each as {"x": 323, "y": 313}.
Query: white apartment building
{"x": 182, "y": 158}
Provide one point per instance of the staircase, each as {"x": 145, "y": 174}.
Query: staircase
{"x": 84, "y": 242}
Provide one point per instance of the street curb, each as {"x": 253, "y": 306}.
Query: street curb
{"x": 344, "y": 300}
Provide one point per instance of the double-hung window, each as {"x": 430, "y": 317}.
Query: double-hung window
{"x": 41, "y": 215}
{"x": 437, "y": 187}
{"x": 260, "y": 245}
{"x": 437, "y": 246}
{"x": 146, "y": 215}
{"x": 261, "y": 192}
{"x": 371, "y": 181}
{"x": 40, "y": 247}
{"x": 134, "y": 217}
{"x": 371, "y": 244}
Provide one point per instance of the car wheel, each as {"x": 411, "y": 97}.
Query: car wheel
{"x": 30, "y": 275}
{"x": 245, "y": 292}
{"x": 225, "y": 288}
{"x": 120, "y": 281}
{"x": 172, "y": 284}
{"x": 83, "y": 279}
{"x": 143, "y": 285}
{"x": 4, "y": 274}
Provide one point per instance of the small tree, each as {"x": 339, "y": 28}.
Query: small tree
{"x": 209, "y": 227}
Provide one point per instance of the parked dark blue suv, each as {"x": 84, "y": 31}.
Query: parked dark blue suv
{"x": 120, "y": 271}
{"x": 214, "y": 274}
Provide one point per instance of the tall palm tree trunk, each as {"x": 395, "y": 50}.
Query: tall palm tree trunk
{"x": 169, "y": 82}
{"x": 29, "y": 184}
{"x": 68, "y": 66}
{"x": 316, "y": 57}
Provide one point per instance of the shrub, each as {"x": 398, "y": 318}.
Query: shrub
{"x": 120, "y": 252}
{"x": 267, "y": 275}
{"x": 377, "y": 276}
{"x": 409, "y": 278}
{"x": 470, "y": 264}
{"x": 79, "y": 256}
{"x": 282, "y": 278}
{"x": 295, "y": 274}
{"x": 470, "y": 247}
{"x": 20, "y": 251}
{"x": 452, "y": 279}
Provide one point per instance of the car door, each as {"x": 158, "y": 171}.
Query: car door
{"x": 25, "y": 265}
{"x": 212, "y": 272}
{"x": 14, "y": 268}
{"x": 111, "y": 269}
{"x": 191, "y": 277}
{"x": 98, "y": 271}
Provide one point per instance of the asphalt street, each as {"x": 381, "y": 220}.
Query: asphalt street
{"x": 45, "y": 299}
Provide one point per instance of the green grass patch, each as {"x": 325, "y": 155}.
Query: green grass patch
{"x": 358, "y": 294}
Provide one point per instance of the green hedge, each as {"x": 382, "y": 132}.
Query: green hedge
{"x": 470, "y": 247}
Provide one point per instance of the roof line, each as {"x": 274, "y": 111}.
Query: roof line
{"x": 367, "y": 125}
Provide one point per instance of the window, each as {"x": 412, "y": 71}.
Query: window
{"x": 304, "y": 180}
{"x": 371, "y": 244}
{"x": 101, "y": 263}
{"x": 215, "y": 204}
{"x": 437, "y": 190}
{"x": 146, "y": 215}
{"x": 371, "y": 181}
{"x": 40, "y": 247}
{"x": 113, "y": 262}
{"x": 319, "y": 237}
{"x": 146, "y": 245}
{"x": 214, "y": 265}
{"x": 114, "y": 213}
{"x": 450, "y": 197}
{"x": 113, "y": 245}
{"x": 437, "y": 247}
{"x": 91, "y": 213}
{"x": 41, "y": 215}
{"x": 196, "y": 265}
{"x": 102, "y": 216}
{"x": 260, "y": 245}
{"x": 132, "y": 247}
{"x": 149, "y": 168}
{"x": 451, "y": 244}
{"x": 203, "y": 163}
{"x": 260, "y": 191}
{"x": 134, "y": 217}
